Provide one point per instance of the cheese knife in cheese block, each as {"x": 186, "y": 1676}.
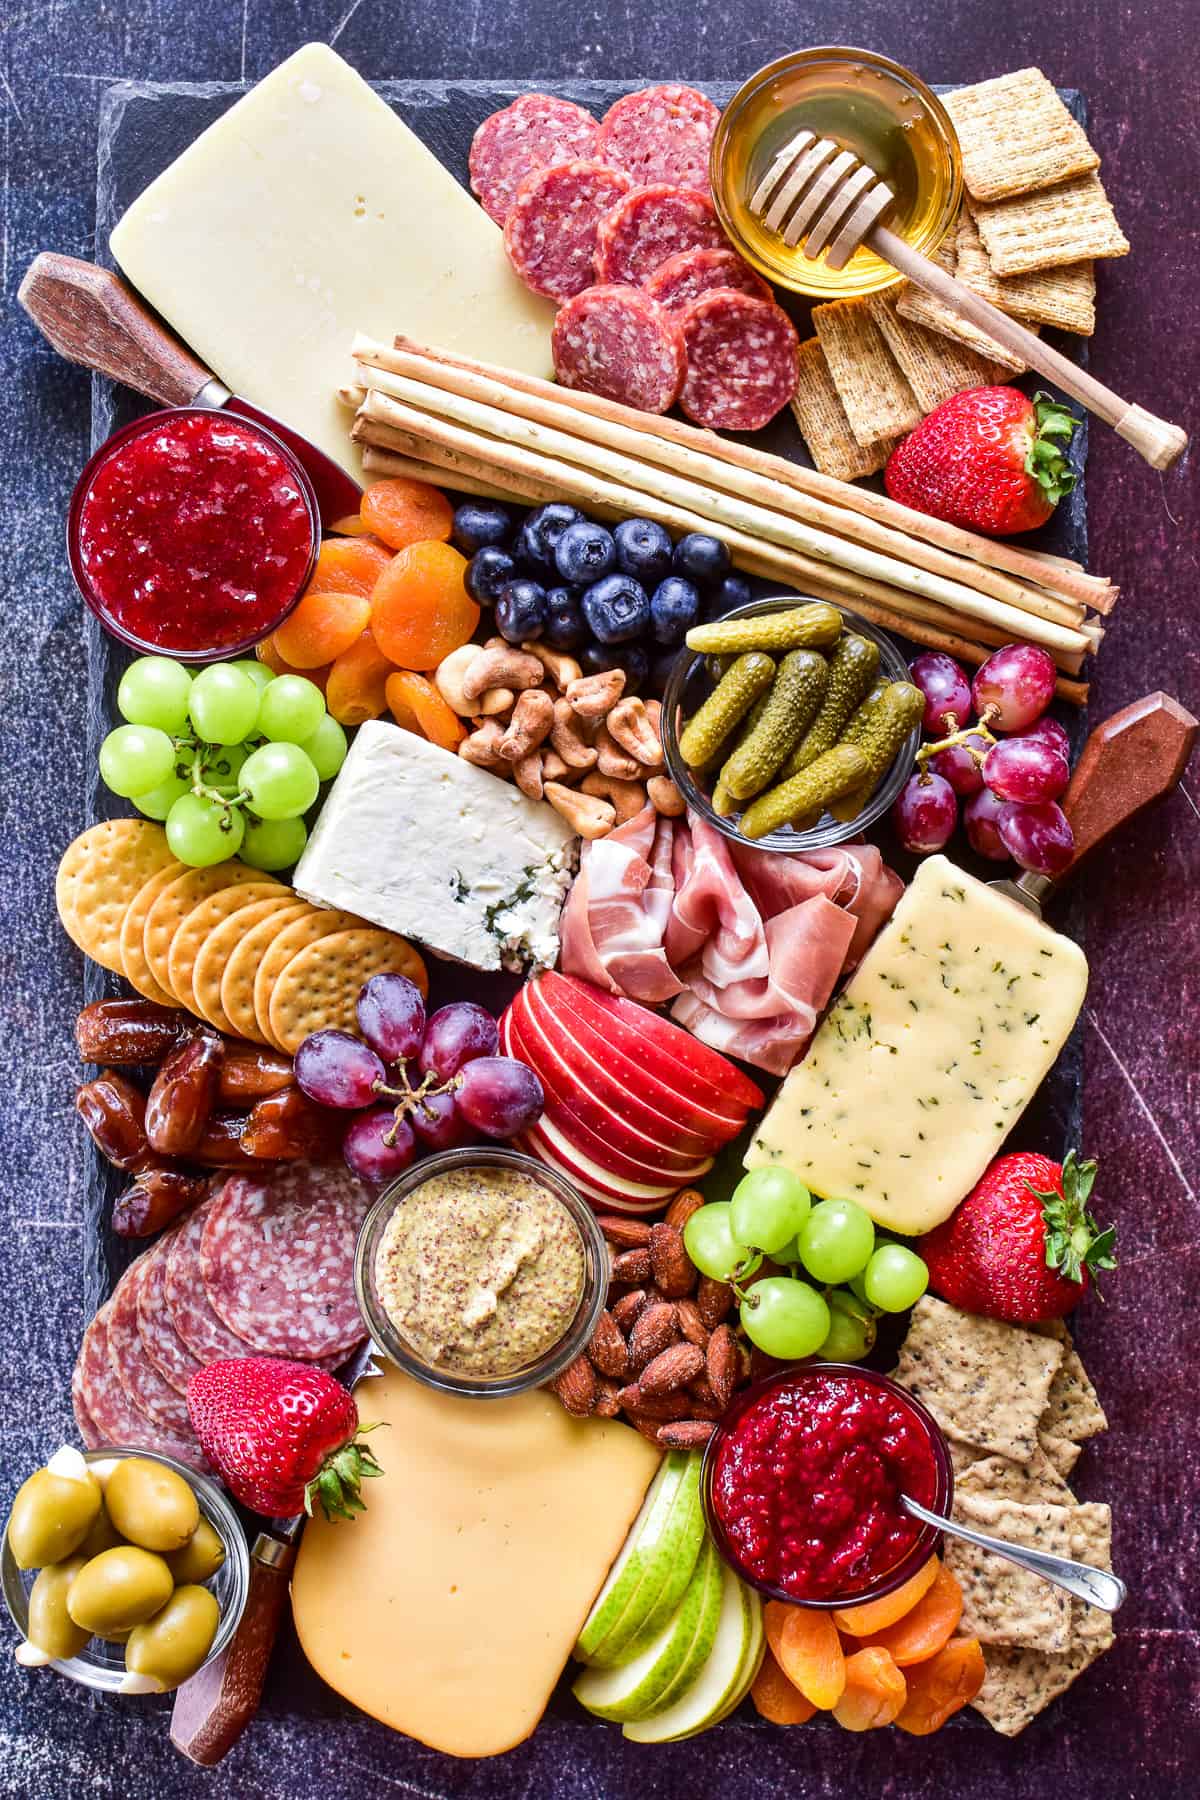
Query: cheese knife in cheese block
{"x": 931, "y": 1053}
{"x": 89, "y": 316}
{"x": 214, "y": 1707}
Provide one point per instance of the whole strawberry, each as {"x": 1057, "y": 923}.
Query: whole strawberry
{"x": 1022, "y": 1245}
{"x": 282, "y": 1434}
{"x": 990, "y": 459}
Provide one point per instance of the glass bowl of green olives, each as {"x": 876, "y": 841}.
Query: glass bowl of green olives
{"x": 123, "y": 1569}
{"x": 790, "y": 723}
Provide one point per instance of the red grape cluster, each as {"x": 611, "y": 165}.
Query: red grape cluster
{"x": 416, "y": 1083}
{"x": 1010, "y": 783}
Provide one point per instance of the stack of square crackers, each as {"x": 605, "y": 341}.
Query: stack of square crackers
{"x": 1016, "y": 1406}
{"x": 1035, "y": 220}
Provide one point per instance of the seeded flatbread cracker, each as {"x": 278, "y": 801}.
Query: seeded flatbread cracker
{"x": 920, "y": 308}
{"x": 935, "y": 366}
{"x": 998, "y": 1478}
{"x": 318, "y": 988}
{"x": 1045, "y": 230}
{"x": 818, "y": 411}
{"x": 315, "y": 922}
{"x": 173, "y": 905}
{"x": 98, "y": 878}
{"x": 204, "y": 917}
{"x": 985, "y": 1382}
{"x": 1004, "y": 1604}
{"x": 1073, "y": 1408}
{"x": 1082, "y": 1532}
{"x": 133, "y": 930}
{"x": 241, "y": 970}
{"x": 1020, "y": 1684}
{"x": 1016, "y": 135}
{"x": 214, "y": 954}
{"x": 877, "y": 399}
{"x": 1060, "y": 1452}
{"x": 1063, "y": 297}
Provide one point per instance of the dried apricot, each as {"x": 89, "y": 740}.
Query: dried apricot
{"x": 927, "y": 1627}
{"x": 874, "y": 1693}
{"x": 939, "y": 1687}
{"x": 405, "y": 512}
{"x": 420, "y": 610}
{"x": 349, "y": 565}
{"x": 877, "y": 1615}
{"x": 349, "y": 525}
{"x": 411, "y": 697}
{"x": 811, "y": 1656}
{"x": 267, "y": 652}
{"x": 321, "y": 626}
{"x": 776, "y": 1699}
{"x": 357, "y": 685}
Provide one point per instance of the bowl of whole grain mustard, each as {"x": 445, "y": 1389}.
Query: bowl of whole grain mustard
{"x": 481, "y": 1272}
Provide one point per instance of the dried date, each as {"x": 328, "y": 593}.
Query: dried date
{"x": 126, "y": 1032}
{"x": 114, "y": 1111}
{"x": 287, "y": 1126}
{"x": 184, "y": 1093}
{"x": 157, "y": 1197}
{"x": 220, "y": 1145}
{"x": 251, "y": 1073}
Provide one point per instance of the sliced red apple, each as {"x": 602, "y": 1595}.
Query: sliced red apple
{"x": 648, "y": 1194}
{"x": 606, "y": 1199}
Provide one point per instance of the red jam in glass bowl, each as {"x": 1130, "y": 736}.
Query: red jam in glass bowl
{"x": 803, "y": 1479}
{"x": 193, "y": 533}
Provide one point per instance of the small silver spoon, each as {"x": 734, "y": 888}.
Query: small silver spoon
{"x": 1096, "y": 1586}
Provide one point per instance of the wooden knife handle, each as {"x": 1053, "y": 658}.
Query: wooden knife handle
{"x": 1131, "y": 760}
{"x": 91, "y": 317}
{"x": 214, "y": 1708}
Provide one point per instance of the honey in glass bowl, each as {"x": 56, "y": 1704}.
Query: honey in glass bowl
{"x": 870, "y": 106}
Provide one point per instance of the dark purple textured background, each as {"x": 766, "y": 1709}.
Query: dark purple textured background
{"x": 1132, "y": 1726}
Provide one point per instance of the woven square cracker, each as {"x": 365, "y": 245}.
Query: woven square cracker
{"x": 914, "y": 304}
{"x": 1063, "y": 297}
{"x": 878, "y": 400}
{"x": 1002, "y": 1603}
{"x": 819, "y": 413}
{"x": 985, "y": 1382}
{"x": 935, "y": 367}
{"x": 1020, "y": 1684}
{"x": 1016, "y": 135}
{"x": 1045, "y": 230}
{"x": 1073, "y": 1408}
{"x": 1082, "y": 1533}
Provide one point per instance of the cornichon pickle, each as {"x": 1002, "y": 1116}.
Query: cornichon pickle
{"x": 853, "y": 663}
{"x": 717, "y": 667}
{"x": 730, "y": 701}
{"x": 811, "y": 791}
{"x": 796, "y": 628}
{"x": 863, "y": 713}
{"x": 794, "y": 697}
{"x": 880, "y": 729}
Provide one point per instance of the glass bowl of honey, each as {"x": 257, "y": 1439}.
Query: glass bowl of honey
{"x": 867, "y": 104}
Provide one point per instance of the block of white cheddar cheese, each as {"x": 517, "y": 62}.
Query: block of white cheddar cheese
{"x": 929, "y": 1057}
{"x": 421, "y": 842}
{"x": 308, "y": 212}
{"x": 448, "y": 1608}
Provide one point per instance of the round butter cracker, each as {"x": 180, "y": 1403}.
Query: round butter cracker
{"x": 204, "y": 917}
{"x": 173, "y": 905}
{"x": 99, "y": 877}
{"x": 318, "y": 922}
{"x": 214, "y": 954}
{"x": 319, "y": 987}
{"x": 236, "y": 1000}
{"x": 133, "y": 930}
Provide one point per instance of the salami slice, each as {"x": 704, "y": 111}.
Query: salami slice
{"x": 113, "y": 1416}
{"x": 201, "y": 1331}
{"x": 156, "y": 1328}
{"x": 535, "y": 132}
{"x": 83, "y": 1418}
{"x": 277, "y": 1256}
{"x": 660, "y": 134}
{"x": 683, "y": 278}
{"x": 741, "y": 360}
{"x": 162, "y": 1404}
{"x": 650, "y": 224}
{"x": 550, "y": 232}
{"x": 618, "y": 342}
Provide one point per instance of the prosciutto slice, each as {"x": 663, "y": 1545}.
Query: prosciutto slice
{"x": 748, "y": 944}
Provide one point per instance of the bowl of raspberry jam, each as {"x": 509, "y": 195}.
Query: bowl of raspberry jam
{"x": 192, "y": 533}
{"x": 802, "y": 1485}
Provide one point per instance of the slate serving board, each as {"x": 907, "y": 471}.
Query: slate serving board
{"x": 143, "y": 127}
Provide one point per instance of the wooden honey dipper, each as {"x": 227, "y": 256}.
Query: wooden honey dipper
{"x": 826, "y": 201}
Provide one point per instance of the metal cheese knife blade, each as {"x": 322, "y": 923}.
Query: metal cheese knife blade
{"x": 91, "y": 317}
{"x": 1133, "y": 759}
{"x": 213, "y": 1709}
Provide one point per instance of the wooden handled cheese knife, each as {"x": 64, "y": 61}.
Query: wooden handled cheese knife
{"x": 1128, "y": 762}
{"x": 91, "y": 317}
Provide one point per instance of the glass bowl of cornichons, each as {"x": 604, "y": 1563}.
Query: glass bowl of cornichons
{"x": 790, "y": 723}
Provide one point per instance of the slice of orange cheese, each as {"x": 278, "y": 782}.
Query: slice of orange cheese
{"x": 449, "y": 1608}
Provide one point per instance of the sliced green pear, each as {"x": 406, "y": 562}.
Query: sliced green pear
{"x": 717, "y": 1682}
{"x": 666, "y": 1580}
{"x": 665, "y": 1666}
{"x": 752, "y": 1661}
{"x": 644, "y": 1556}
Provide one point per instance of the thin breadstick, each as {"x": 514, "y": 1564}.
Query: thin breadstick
{"x": 390, "y": 462}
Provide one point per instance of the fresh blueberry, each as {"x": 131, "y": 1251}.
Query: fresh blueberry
{"x": 488, "y": 571}
{"x": 521, "y": 611}
{"x": 540, "y": 533}
{"x": 674, "y": 606}
{"x": 565, "y": 624}
{"x": 660, "y": 671}
{"x": 643, "y": 550}
{"x": 584, "y": 553}
{"x": 733, "y": 592}
{"x": 617, "y": 609}
{"x": 633, "y": 659}
{"x": 480, "y": 522}
{"x": 701, "y": 558}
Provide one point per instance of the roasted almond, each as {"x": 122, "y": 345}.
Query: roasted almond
{"x": 577, "y": 1387}
{"x": 674, "y": 1270}
{"x": 722, "y": 1364}
{"x": 686, "y": 1202}
{"x": 686, "y": 1434}
{"x": 714, "y": 1300}
{"x": 607, "y": 1404}
{"x": 691, "y": 1324}
{"x": 625, "y": 1234}
{"x": 608, "y": 1350}
{"x": 649, "y": 1428}
{"x": 628, "y": 1307}
{"x": 632, "y": 1266}
{"x": 671, "y": 1370}
{"x": 651, "y": 1334}
{"x": 659, "y": 1407}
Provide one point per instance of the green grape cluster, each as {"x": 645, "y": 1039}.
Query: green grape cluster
{"x": 853, "y": 1279}
{"x": 229, "y": 758}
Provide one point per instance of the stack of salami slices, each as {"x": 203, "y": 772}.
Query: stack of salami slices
{"x": 264, "y": 1267}
{"x": 614, "y": 221}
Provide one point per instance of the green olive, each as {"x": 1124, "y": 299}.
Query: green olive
{"x": 102, "y": 1535}
{"x": 51, "y": 1627}
{"x": 200, "y": 1557}
{"x": 119, "y": 1588}
{"x": 172, "y": 1645}
{"x": 50, "y": 1517}
{"x": 151, "y": 1505}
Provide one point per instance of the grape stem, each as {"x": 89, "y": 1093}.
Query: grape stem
{"x": 411, "y": 1099}
{"x": 979, "y": 730}
{"x": 201, "y": 754}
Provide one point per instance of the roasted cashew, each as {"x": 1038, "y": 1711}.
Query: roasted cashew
{"x": 590, "y": 817}
{"x": 528, "y": 774}
{"x": 532, "y": 718}
{"x": 483, "y": 746}
{"x": 665, "y": 797}
{"x": 628, "y": 798}
{"x": 592, "y": 696}
{"x": 448, "y": 679}
{"x": 612, "y": 760}
{"x": 568, "y": 739}
{"x": 501, "y": 668}
{"x": 629, "y": 724}
{"x": 561, "y": 668}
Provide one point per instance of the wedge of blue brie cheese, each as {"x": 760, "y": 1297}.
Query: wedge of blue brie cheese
{"x": 425, "y": 844}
